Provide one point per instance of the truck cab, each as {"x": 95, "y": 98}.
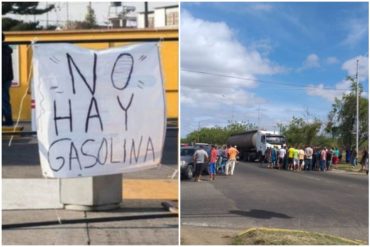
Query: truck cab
{"x": 269, "y": 140}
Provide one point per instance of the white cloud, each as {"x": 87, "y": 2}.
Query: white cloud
{"x": 213, "y": 47}
{"x": 329, "y": 94}
{"x": 363, "y": 67}
{"x": 262, "y": 7}
{"x": 343, "y": 87}
{"x": 312, "y": 61}
{"x": 357, "y": 31}
{"x": 332, "y": 60}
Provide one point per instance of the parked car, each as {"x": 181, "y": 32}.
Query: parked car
{"x": 187, "y": 163}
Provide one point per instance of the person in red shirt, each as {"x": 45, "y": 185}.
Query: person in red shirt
{"x": 212, "y": 163}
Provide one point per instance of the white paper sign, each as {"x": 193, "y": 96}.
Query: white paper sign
{"x": 98, "y": 112}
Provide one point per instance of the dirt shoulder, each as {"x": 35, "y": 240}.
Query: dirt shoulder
{"x": 194, "y": 235}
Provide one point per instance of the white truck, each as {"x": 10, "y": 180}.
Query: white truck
{"x": 252, "y": 144}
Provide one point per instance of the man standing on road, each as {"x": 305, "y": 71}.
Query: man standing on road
{"x": 212, "y": 163}
{"x": 365, "y": 161}
{"x": 282, "y": 153}
{"x": 295, "y": 159}
{"x": 200, "y": 158}
{"x": 329, "y": 156}
{"x": 230, "y": 166}
{"x": 301, "y": 158}
{"x": 290, "y": 158}
{"x": 308, "y": 161}
{"x": 323, "y": 159}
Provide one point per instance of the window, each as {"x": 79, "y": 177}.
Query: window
{"x": 263, "y": 139}
{"x": 172, "y": 18}
{"x": 275, "y": 140}
{"x": 150, "y": 22}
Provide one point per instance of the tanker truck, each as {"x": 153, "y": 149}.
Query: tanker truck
{"x": 252, "y": 144}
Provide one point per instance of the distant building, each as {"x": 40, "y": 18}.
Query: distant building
{"x": 161, "y": 17}
{"x": 121, "y": 16}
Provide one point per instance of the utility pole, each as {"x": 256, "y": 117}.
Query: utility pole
{"x": 198, "y": 131}
{"x": 146, "y": 17}
{"x": 357, "y": 110}
{"x": 259, "y": 117}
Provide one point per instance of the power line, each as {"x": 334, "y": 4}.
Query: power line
{"x": 299, "y": 87}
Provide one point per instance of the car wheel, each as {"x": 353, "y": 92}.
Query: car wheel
{"x": 189, "y": 172}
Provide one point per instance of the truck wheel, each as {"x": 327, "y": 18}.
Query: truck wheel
{"x": 189, "y": 172}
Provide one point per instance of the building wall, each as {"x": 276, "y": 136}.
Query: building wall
{"x": 141, "y": 19}
{"x": 98, "y": 39}
{"x": 159, "y": 18}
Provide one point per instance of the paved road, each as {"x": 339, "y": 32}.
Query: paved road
{"x": 323, "y": 202}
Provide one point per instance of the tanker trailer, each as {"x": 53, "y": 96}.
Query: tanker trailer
{"x": 253, "y": 144}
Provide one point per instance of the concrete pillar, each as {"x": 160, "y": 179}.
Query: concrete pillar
{"x": 91, "y": 193}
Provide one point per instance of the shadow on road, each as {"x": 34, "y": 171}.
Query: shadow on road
{"x": 260, "y": 214}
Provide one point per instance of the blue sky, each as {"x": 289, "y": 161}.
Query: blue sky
{"x": 294, "y": 58}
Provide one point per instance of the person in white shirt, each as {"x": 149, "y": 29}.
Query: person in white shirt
{"x": 282, "y": 153}
{"x": 308, "y": 152}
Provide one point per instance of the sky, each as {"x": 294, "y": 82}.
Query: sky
{"x": 77, "y": 11}
{"x": 264, "y": 63}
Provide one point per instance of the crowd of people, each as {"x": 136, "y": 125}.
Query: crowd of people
{"x": 222, "y": 160}
{"x": 310, "y": 159}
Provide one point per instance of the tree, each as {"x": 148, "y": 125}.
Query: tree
{"x": 342, "y": 118}
{"x": 217, "y": 135}
{"x": 21, "y": 8}
{"x": 299, "y": 132}
{"x": 88, "y": 23}
{"x": 90, "y": 18}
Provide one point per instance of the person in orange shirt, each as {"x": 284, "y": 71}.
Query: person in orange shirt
{"x": 230, "y": 165}
{"x": 212, "y": 163}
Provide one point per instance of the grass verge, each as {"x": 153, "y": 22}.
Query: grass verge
{"x": 268, "y": 236}
{"x": 347, "y": 167}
